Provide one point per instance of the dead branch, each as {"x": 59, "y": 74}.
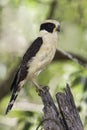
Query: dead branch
{"x": 64, "y": 118}
{"x": 62, "y": 55}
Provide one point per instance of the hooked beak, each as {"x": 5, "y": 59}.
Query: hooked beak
{"x": 58, "y": 28}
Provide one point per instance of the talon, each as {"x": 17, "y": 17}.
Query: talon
{"x": 38, "y": 87}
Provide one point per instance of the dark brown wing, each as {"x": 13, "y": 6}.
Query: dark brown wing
{"x": 22, "y": 71}
{"x": 30, "y": 53}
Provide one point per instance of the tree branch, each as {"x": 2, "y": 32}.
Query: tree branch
{"x": 52, "y": 9}
{"x": 64, "y": 118}
{"x": 62, "y": 55}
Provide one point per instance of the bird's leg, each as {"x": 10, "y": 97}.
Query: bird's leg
{"x": 38, "y": 87}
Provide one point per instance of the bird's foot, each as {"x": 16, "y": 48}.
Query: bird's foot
{"x": 38, "y": 87}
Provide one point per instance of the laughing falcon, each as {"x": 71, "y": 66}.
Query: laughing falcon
{"x": 36, "y": 58}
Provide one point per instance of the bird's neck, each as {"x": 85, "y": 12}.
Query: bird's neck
{"x": 43, "y": 33}
{"x": 49, "y": 36}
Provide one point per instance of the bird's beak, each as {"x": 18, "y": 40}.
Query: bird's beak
{"x": 58, "y": 28}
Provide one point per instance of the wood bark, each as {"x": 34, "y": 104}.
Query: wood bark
{"x": 65, "y": 117}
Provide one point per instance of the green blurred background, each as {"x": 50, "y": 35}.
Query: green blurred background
{"x": 19, "y": 26}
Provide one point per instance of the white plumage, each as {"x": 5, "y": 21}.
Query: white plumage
{"x": 45, "y": 54}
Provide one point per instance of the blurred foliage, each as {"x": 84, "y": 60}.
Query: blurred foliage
{"x": 19, "y": 25}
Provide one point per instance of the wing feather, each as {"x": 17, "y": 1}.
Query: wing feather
{"x": 23, "y": 69}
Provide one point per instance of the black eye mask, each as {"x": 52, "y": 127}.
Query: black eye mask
{"x": 48, "y": 27}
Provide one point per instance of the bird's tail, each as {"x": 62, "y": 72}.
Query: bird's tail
{"x": 12, "y": 100}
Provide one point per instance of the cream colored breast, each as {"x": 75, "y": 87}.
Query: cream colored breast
{"x": 45, "y": 54}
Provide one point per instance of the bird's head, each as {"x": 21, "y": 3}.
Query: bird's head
{"x": 50, "y": 26}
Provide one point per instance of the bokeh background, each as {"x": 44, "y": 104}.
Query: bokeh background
{"x": 19, "y": 26}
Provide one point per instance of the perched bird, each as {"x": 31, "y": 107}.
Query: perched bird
{"x": 36, "y": 58}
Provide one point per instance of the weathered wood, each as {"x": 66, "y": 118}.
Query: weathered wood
{"x": 64, "y": 118}
{"x": 68, "y": 110}
{"x": 51, "y": 120}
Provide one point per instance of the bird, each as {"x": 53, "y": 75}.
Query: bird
{"x": 37, "y": 57}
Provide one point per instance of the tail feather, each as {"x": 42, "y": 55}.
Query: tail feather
{"x": 12, "y": 100}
